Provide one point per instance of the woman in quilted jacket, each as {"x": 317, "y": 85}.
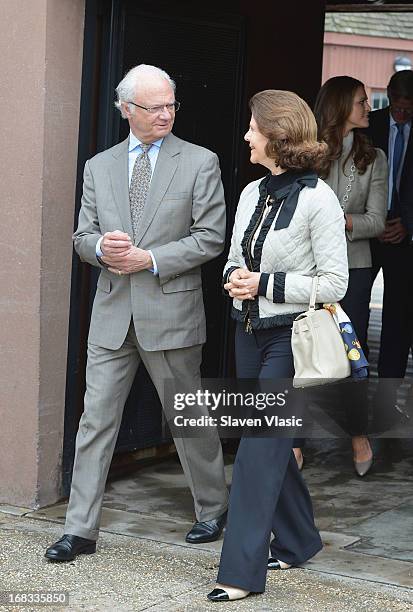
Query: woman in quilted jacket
{"x": 289, "y": 227}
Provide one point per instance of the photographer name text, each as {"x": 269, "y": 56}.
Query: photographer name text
{"x": 230, "y": 421}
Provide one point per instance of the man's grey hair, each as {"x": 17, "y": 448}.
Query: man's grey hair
{"x": 129, "y": 85}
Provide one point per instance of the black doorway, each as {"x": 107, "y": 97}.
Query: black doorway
{"x": 204, "y": 54}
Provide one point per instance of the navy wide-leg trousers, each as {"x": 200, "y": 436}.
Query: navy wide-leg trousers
{"x": 268, "y": 493}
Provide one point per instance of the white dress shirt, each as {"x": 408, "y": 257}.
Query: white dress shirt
{"x": 135, "y": 150}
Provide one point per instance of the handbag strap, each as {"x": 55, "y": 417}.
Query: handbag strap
{"x": 313, "y": 294}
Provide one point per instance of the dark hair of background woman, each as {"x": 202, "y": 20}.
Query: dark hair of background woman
{"x": 333, "y": 106}
{"x": 290, "y": 126}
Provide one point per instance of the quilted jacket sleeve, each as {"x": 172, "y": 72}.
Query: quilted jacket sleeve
{"x": 235, "y": 258}
{"x": 329, "y": 247}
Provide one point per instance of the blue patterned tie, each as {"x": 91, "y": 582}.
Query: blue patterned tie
{"x": 397, "y": 157}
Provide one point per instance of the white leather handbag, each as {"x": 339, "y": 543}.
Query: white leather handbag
{"x": 318, "y": 348}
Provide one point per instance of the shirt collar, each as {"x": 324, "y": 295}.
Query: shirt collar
{"x": 393, "y": 122}
{"x": 135, "y": 142}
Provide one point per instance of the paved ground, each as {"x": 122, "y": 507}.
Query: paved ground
{"x": 134, "y": 574}
{"x": 143, "y": 563}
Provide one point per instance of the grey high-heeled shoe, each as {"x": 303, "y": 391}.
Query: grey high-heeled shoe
{"x": 362, "y": 467}
{"x": 300, "y": 461}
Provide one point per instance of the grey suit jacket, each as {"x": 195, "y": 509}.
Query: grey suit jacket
{"x": 367, "y": 203}
{"x": 183, "y": 223}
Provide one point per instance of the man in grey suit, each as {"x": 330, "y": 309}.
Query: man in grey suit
{"x": 152, "y": 212}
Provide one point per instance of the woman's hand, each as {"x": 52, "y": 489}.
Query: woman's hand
{"x": 233, "y": 287}
{"x": 243, "y": 284}
{"x": 349, "y": 223}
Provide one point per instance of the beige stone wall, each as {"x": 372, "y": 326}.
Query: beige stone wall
{"x": 41, "y": 59}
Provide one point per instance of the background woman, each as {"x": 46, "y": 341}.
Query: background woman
{"x": 286, "y": 228}
{"x": 357, "y": 173}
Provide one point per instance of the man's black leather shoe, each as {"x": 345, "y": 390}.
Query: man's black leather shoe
{"x": 206, "y": 531}
{"x": 68, "y": 547}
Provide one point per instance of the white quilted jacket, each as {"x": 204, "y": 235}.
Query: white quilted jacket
{"x": 314, "y": 243}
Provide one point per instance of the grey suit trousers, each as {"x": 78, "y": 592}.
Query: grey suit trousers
{"x": 109, "y": 377}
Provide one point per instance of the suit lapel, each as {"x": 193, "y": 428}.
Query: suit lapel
{"x": 119, "y": 176}
{"x": 383, "y": 131}
{"x": 165, "y": 168}
{"x": 409, "y": 149}
{"x": 406, "y": 176}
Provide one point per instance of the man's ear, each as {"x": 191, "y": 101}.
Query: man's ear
{"x": 126, "y": 109}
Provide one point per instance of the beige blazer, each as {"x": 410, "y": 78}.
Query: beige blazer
{"x": 367, "y": 202}
{"x": 183, "y": 223}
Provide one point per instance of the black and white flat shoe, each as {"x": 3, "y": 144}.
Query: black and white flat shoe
{"x": 275, "y": 564}
{"x": 222, "y": 592}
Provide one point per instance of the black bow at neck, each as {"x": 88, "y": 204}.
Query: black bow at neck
{"x": 289, "y": 194}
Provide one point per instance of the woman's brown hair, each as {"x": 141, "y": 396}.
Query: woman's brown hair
{"x": 289, "y": 124}
{"x": 333, "y": 106}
